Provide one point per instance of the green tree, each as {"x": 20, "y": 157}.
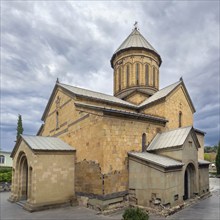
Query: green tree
{"x": 19, "y": 126}
{"x": 217, "y": 159}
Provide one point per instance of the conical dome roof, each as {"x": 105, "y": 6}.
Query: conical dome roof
{"x": 133, "y": 41}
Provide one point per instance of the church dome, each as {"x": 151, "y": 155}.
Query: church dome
{"x": 134, "y": 41}
{"x": 136, "y": 69}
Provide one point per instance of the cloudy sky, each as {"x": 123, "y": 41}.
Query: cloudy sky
{"x": 74, "y": 41}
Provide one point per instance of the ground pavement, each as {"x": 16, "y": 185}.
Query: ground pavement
{"x": 207, "y": 209}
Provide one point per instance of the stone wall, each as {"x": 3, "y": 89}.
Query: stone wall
{"x": 136, "y": 98}
{"x": 201, "y": 142}
{"x": 50, "y": 178}
{"x": 175, "y": 103}
{"x": 203, "y": 179}
{"x": 89, "y": 179}
{"x": 101, "y": 143}
{"x": 153, "y": 187}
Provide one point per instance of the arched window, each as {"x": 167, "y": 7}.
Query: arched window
{"x": 137, "y": 73}
{"x": 127, "y": 75}
{"x": 2, "y": 159}
{"x": 57, "y": 119}
{"x": 154, "y": 76}
{"x": 180, "y": 119}
{"x": 119, "y": 79}
{"x": 144, "y": 142}
{"x": 147, "y": 74}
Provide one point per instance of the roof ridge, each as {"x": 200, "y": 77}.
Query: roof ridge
{"x": 36, "y": 136}
{"x": 170, "y": 85}
{"x": 103, "y": 96}
{"x": 87, "y": 90}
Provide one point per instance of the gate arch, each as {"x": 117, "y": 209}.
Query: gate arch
{"x": 22, "y": 176}
{"x": 189, "y": 181}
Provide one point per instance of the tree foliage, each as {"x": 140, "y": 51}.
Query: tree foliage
{"x": 217, "y": 159}
{"x": 5, "y": 174}
{"x": 210, "y": 156}
{"x": 209, "y": 149}
{"x": 19, "y": 126}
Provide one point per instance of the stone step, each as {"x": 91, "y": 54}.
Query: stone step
{"x": 21, "y": 203}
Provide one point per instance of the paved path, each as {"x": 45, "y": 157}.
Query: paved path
{"x": 12, "y": 211}
{"x": 207, "y": 209}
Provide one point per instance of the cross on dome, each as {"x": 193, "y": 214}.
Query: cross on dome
{"x": 136, "y": 25}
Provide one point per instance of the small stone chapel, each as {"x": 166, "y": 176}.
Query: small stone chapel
{"x": 99, "y": 150}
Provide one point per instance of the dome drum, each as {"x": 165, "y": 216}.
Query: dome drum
{"x": 136, "y": 67}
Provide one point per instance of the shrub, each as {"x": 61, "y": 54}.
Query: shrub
{"x": 135, "y": 214}
{"x": 5, "y": 175}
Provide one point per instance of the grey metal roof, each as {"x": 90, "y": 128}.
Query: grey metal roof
{"x": 203, "y": 162}
{"x": 135, "y": 39}
{"x": 169, "y": 139}
{"x": 95, "y": 95}
{"x": 46, "y": 143}
{"x": 160, "y": 94}
{"x": 156, "y": 159}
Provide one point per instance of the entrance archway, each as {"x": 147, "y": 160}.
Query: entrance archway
{"x": 22, "y": 177}
{"x": 189, "y": 181}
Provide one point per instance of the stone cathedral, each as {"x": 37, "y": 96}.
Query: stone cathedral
{"x": 102, "y": 151}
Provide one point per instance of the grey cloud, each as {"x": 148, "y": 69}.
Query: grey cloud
{"x": 75, "y": 40}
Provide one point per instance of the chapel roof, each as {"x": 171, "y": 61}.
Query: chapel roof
{"x": 46, "y": 143}
{"x": 203, "y": 162}
{"x": 156, "y": 159}
{"x": 133, "y": 41}
{"x": 41, "y": 143}
{"x": 95, "y": 95}
{"x": 170, "y": 139}
{"x": 98, "y": 96}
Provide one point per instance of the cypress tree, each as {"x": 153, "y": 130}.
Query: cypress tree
{"x": 217, "y": 159}
{"x": 19, "y": 126}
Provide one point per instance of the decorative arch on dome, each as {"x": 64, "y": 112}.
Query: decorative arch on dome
{"x": 154, "y": 76}
{"x": 128, "y": 74}
{"x": 137, "y": 66}
{"x": 146, "y": 73}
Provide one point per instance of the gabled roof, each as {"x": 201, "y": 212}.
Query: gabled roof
{"x": 169, "y": 139}
{"x": 40, "y": 143}
{"x": 95, "y": 95}
{"x": 156, "y": 159}
{"x": 203, "y": 162}
{"x": 87, "y": 94}
{"x": 163, "y": 93}
{"x": 135, "y": 40}
{"x": 80, "y": 92}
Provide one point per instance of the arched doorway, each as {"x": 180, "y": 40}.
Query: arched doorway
{"x": 22, "y": 177}
{"x": 189, "y": 181}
